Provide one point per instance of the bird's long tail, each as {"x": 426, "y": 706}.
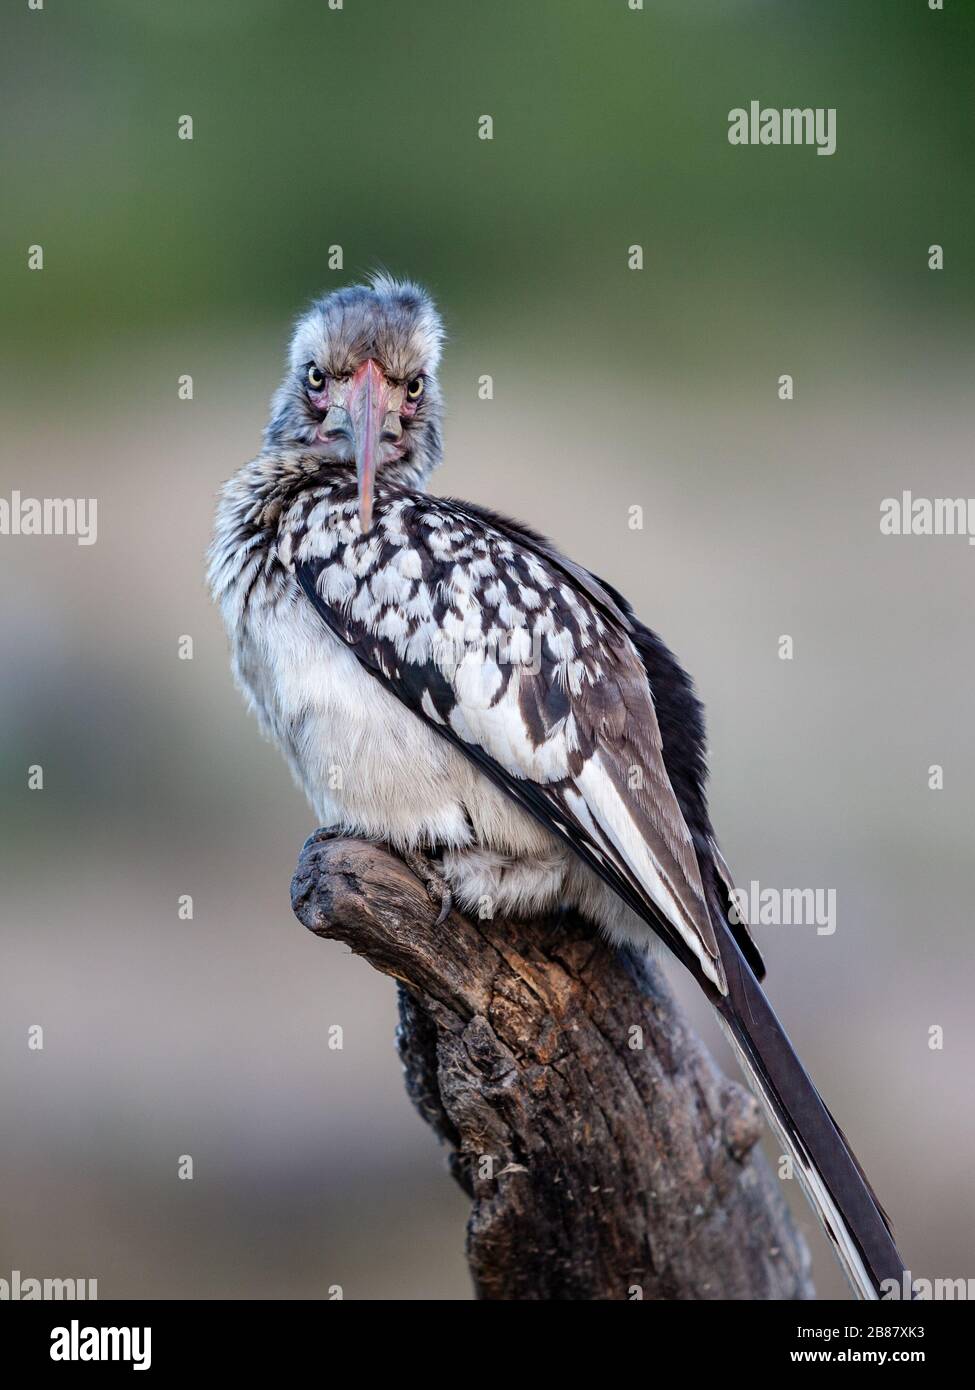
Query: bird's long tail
{"x": 831, "y": 1177}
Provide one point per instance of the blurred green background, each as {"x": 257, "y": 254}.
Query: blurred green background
{"x": 613, "y": 388}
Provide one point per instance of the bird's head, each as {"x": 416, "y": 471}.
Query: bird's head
{"x": 361, "y": 387}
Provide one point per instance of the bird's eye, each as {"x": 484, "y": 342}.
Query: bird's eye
{"x": 415, "y": 389}
{"x": 316, "y": 378}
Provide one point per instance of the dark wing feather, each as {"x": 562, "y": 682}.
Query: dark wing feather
{"x": 680, "y": 718}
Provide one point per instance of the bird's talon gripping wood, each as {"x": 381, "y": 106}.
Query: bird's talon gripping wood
{"x": 322, "y": 835}
{"x": 438, "y": 889}
{"x": 436, "y": 673}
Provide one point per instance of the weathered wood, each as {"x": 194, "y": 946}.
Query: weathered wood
{"x": 605, "y": 1154}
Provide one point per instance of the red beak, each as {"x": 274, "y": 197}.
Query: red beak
{"x": 367, "y": 405}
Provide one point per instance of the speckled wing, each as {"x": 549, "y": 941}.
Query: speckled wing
{"x": 523, "y": 661}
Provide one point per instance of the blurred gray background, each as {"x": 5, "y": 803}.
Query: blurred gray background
{"x": 612, "y": 388}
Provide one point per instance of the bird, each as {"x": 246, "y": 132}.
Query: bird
{"x": 442, "y": 679}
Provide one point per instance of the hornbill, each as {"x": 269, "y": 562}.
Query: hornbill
{"x": 442, "y": 679}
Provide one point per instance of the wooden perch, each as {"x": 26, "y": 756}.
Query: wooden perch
{"x": 605, "y": 1154}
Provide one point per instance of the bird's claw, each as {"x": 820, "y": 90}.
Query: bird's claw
{"x": 322, "y": 834}
{"x": 446, "y": 905}
{"x": 438, "y": 889}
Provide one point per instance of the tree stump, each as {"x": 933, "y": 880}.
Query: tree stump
{"x": 605, "y": 1154}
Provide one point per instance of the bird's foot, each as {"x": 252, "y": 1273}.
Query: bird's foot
{"x": 324, "y": 833}
{"x": 438, "y": 889}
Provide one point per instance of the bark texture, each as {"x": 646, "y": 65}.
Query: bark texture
{"x": 605, "y": 1155}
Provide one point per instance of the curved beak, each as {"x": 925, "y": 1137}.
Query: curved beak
{"x": 368, "y": 405}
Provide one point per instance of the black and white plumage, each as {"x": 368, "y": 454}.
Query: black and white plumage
{"x": 442, "y": 679}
